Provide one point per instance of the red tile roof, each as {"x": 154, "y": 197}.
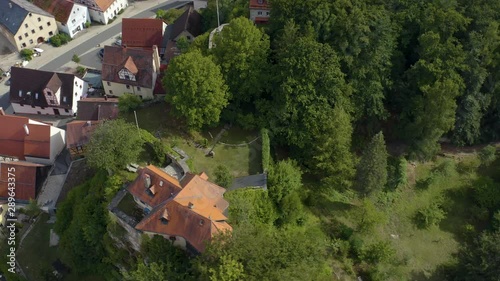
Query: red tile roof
{"x": 15, "y": 143}
{"x": 143, "y": 33}
{"x": 104, "y": 4}
{"x": 259, "y": 4}
{"x": 194, "y": 212}
{"x": 97, "y": 109}
{"x": 116, "y": 58}
{"x": 60, "y": 9}
{"x": 25, "y": 175}
{"x": 78, "y": 133}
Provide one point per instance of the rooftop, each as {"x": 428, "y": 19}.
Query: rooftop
{"x": 13, "y": 13}
{"x": 140, "y": 61}
{"x": 143, "y": 33}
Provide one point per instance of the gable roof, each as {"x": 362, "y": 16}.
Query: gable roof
{"x": 14, "y": 141}
{"x": 61, "y": 9}
{"x": 13, "y": 13}
{"x": 116, "y": 58}
{"x": 189, "y": 21}
{"x": 26, "y": 179}
{"x": 163, "y": 185}
{"x": 195, "y": 212}
{"x": 78, "y": 133}
{"x": 104, "y": 4}
{"x": 33, "y": 93}
{"x": 97, "y": 109}
{"x": 254, "y": 4}
{"x": 143, "y": 33}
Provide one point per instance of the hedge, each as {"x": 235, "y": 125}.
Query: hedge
{"x": 158, "y": 147}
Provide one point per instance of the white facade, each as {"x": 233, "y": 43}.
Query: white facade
{"x": 79, "y": 87}
{"x": 119, "y": 89}
{"x": 35, "y": 29}
{"x": 57, "y": 144}
{"x": 259, "y": 13}
{"x": 97, "y": 15}
{"x": 76, "y": 22}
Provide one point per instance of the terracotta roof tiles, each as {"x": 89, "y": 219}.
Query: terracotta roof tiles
{"x": 78, "y": 133}
{"x": 61, "y": 9}
{"x": 143, "y": 33}
{"x": 115, "y": 57}
{"x": 26, "y": 179}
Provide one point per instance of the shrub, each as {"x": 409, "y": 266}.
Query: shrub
{"x": 223, "y": 176}
{"x": 158, "y": 147}
{"x": 430, "y": 215}
{"x": 26, "y": 54}
{"x": 378, "y": 252}
{"x": 121, "y": 11}
{"x": 487, "y": 155}
{"x": 129, "y": 102}
{"x": 59, "y": 39}
{"x": 87, "y": 24}
{"x": 75, "y": 58}
{"x": 266, "y": 149}
{"x": 81, "y": 70}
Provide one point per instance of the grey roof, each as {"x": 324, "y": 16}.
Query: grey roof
{"x": 13, "y": 13}
{"x": 258, "y": 180}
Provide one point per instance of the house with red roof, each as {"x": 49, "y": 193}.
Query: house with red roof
{"x": 29, "y": 178}
{"x": 189, "y": 212}
{"x": 103, "y": 11}
{"x": 143, "y": 33}
{"x": 70, "y": 17}
{"x": 130, "y": 70}
{"x": 259, "y": 11}
{"x": 22, "y": 138}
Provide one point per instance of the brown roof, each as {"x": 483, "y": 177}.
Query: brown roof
{"x": 104, "y": 4}
{"x": 116, "y": 58}
{"x": 15, "y": 143}
{"x": 34, "y": 93}
{"x": 195, "y": 212}
{"x": 165, "y": 186}
{"x": 25, "y": 174}
{"x": 190, "y": 21}
{"x": 143, "y": 33}
{"x": 254, "y": 4}
{"x": 78, "y": 133}
{"x": 60, "y": 9}
{"x": 97, "y": 109}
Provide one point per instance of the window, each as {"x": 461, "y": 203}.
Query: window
{"x": 51, "y": 33}
{"x": 24, "y": 45}
{"x": 20, "y": 38}
{"x": 110, "y": 92}
{"x": 48, "y": 23}
{"x": 41, "y": 27}
{"x": 26, "y": 25}
{"x": 39, "y": 19}
{"x": 33, "y": 31}
{"x": 25, "y": 35}
{"x": 31, "y": 41}
{"x": 76, "y": 94}
{"x": 66, "y": 110}
{"x": 267, "y": 13}
{"x": 259, "y": 13}
{"x": 128, "y": 86}
{"x": 138, "y": 88}
{"x": 109, "y": 84}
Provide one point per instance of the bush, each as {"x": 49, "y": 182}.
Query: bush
{"x": 378, "y": 252}
{"x": 75, "y": 58}
{"x": 157, "y": 146}
{"x": 81, "y": 70}
{"x": 266, "y": 149}
{"x": 59, "y": 39}
{"x": 223, "y": 176}
{"x": 128, "y": 102}
{"x": 430, "y": 215}
{"x": 121, "y": 11}
{"x": 397, "y": 176}
{"x": 27, "y": 54}
{"x": 87, "y": 24}
{"x": 487, "y": 155}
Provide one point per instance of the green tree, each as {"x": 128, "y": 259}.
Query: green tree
{"x": 223, "y": 176}
{"x": 129, "y": 102}
{"x": 197, "y": 90}
{"x": 75, "y": 58}
{"x": 368, "y": 216}
{"x": 372, "y": 169}
{"x": 241, "y": 50}
{"x": 430, "y": 215}
{"x": 113, "y": 145}
{"x": 228, "y": 10}
{"x": 229, "y": 270}
{"x": 33, "y": 209}
{"x": 284, "y": 178}
{"x": 487, "y": 193}
{"x": 487, "y": 155}
{"x": 26, "y": 54}
{"x": 170, "y": 15}
{"x": 153, "y": 271}
{"x": 251, "y": 206}
{"x": 479, "y": 260}
{"x": 183, "y": 44}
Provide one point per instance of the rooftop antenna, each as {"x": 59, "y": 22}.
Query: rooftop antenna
{"x": 218, "y": 18}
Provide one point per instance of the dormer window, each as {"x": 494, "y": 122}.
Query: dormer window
{"x": 125, "y": 74}
{"x": 165, "y": 218}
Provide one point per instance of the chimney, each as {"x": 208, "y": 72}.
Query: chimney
{"x": 147, "y": 180}
{"x": 190, "y": 205}
{"x": 1, "y": 111}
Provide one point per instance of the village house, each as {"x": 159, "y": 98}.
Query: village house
{"x": 70, "y": 17}
{"x": 78, "y": 134}
{"x": 189, "y": 212}
{"x": 143, "y": 33}
{"x": 103, "y": 11}
{"x": 29, "y": 179}
{"x": 130, "y": 70}
{"x": 24, "y": 24}
{"x": 259, "y": 11}
{"x": 25, "y": 139}
{"x": 47, "y": 92}
{"x": 188, "y": 25}
{"x": 96, "y": 109}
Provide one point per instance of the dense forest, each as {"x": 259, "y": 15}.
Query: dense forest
{"x": 354, "y": 100}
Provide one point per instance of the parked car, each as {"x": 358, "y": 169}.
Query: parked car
{"x": 118, "y": 42}
{"x": 101, "y": 53}
{"x": 6, "y": 73}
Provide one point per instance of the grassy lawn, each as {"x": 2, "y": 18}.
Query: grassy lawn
{"x": 242, "y": 160}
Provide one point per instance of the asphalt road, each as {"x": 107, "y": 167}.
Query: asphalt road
{"x": 99, "y": 39}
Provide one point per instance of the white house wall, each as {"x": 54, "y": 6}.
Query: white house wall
{"x": 28, "y": 109}
{"x": 260, "y": 13}
{"x": 32, "y": 28}
{"x": 79, "y": 89}
{"x": 118, "y": 89}
{"x": 76, "y": 21}
{"x": 57, "y": 142}
{"x": 105, "y": 16}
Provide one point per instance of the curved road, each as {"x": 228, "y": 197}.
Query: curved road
{"x": 111, "y": 32}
